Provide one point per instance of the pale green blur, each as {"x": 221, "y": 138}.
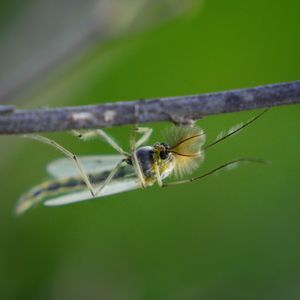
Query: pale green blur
{"x": 231, "y": 236}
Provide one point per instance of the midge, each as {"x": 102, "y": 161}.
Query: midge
{"x": 76, "y": 179}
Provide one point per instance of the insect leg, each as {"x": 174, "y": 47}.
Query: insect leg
{"x": 133, "y": 147}
{"x": 157, "y": 175}
{"x": 67, "y": 153}
{"x": 146, "y": 133}
{"x": 134, "y": 158}
{"x": 223, "y": 166}
{"x": 110, "y": 176}
{"x": 102, "y": 134}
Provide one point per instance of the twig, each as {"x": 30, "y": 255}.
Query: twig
{"x": 182, "y": 110}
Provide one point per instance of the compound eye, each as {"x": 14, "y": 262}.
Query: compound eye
{"x": 163, "y": 154}
{"x": 165, "y": 145}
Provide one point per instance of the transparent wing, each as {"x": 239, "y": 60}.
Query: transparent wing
{"x": 59, "y": 191}
{"x": 65, "y": 167}
{"x": 116, "y": 186}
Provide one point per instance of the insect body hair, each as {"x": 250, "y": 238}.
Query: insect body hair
{"x": 186, "y": 146}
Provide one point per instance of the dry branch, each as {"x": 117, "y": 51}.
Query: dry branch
{"x": 180, "y": 110}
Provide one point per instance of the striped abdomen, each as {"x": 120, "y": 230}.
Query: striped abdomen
{"x": 63, "y": 186}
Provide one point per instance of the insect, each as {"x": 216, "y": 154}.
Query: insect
{"x": 77, "y": 179}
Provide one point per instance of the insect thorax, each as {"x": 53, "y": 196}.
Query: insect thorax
{"x": 146, "y": 157}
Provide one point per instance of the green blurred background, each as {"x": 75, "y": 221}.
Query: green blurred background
{"x": 231, "y": 236}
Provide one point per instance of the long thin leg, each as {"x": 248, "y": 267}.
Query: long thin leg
{"x": 157, "y": 174}
{"x": 146, "y": 133}
{"x": 68, "y": 154}
{"x": 133, "y": 147}
{"x": 134, "y": 159}
{"x": 110, "y": 177}
{"x": 102, "y": 134}
{"x": 223, "y": 166}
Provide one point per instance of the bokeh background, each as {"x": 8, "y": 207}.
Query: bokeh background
{"x": 231, "y": 236}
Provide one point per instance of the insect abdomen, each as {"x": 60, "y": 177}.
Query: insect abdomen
{"x": 145, "y": 158}
{"x": 50, "y": 188}
{"x": 65, "y": 185}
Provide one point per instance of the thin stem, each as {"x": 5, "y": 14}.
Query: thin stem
{"x": 183, "y": 110}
